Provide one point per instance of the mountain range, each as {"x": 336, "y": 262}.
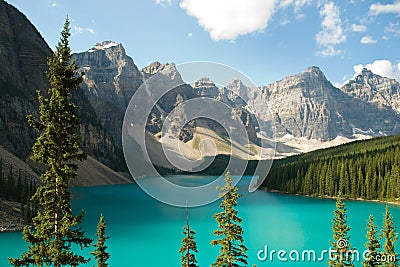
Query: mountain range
{"x": 306, "y": 110}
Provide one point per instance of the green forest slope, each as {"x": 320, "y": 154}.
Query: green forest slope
{"x": 366, "y": 169}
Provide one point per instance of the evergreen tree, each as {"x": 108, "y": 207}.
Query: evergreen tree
{"x": 365, "y": 169}
{"x": 10, "y": 184}
{"x": 389, "y": 236}
{"x": 341, "y": 236}
{"x": 229, "y": 233}
{"x": 100, "y": 252}
{"x": 28, "y": 213}
{"x": 372, "y": 245}
{"x": 189, "y": 246}
{"x": 55, "y": 229}
{"x": 2, "y": 183}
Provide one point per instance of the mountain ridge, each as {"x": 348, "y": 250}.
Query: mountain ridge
{"x": 374, "y": 88}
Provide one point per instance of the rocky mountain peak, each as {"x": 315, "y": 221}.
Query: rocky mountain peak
{"x": 170, "y": 71}
{"x": 309, "y": 83}
{"x": 205, "y": 87}
{"x": 204, "y": 82}
{"x": 154, "y": 67}
{"x": 167, "y": 70}
{"x": 374, "y": 88}
{"x": 314, "y": 69}
{"x": 314, "y": 72}
{"x": 235, "y": 83}
{"x": 366, "y": 73}
{"x": 104, "y": 45}
{"x": 237, "y": 86}
{"x": 110, "y": 81}
{"x": 114, "y": 52}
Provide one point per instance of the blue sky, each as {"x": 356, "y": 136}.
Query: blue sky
{"x": 265, "y": 39}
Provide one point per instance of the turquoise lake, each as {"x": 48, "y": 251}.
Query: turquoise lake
{"x": 145, "y": 232}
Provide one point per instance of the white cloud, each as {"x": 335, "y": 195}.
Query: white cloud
{"x": 82, "y": 30}
{"x": 296, "y": 3}
{"x": 329, "y": 51}
{"x": 378, "y": 8}
{"x": 228, "y": 19}
{"x": 300, "y": 16}
{"x": 190, "y": 34}
{"x": 358, "y": 28}
{"x": 163, "y": 2}
{"x": 332, "y": 32}
{"x": 393, "y": 28}
{"x": 381, "y": 67}
{"x": 284, "y": 21}
{"x": 368, "y": 40}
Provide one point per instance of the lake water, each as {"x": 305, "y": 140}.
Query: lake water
{"x": 145, "y": 232}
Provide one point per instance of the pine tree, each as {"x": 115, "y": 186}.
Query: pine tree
{"x": 10, "y": 184}
{"x": 341, "y": 236}
{"x": 55, "y": 229}
{"x": 389, "y": 236}
{"x": 100, "y": 252}
{"x": 372, "y": 245}
{"x": 28, "y": 213}
{"x": 189, "y": 246}
{"x": 2, "y": 183}
{"x": 230, "y": 233}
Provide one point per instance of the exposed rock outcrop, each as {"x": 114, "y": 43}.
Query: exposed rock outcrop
{"x": 308, "y": 105}
{"x": 23, "y": 54}
{"x": 374, "y": 88}
{"x": 110, "y": 81}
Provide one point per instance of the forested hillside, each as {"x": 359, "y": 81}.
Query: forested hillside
{"x": 364, "y": 169}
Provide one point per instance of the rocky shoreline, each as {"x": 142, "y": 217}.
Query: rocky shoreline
{"x": 10, "y": 216}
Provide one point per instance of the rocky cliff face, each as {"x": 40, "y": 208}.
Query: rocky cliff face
{"x": 169, "y": 78}
{"x": 230, "y": 96}
{"x": 23, "y": 57}
{"x": 110, "y": 81}
{"x": 323, "y": 112}
{"x": 375, "y": 89}
{"x": 23, "y": 54}
{"x": 308, "y": 105}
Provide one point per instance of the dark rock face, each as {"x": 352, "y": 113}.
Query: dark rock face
{"x": 110, "y": 81}
{"x": 373, "y": 88}
{"x": 153, "y": 68}
{"x": 23, "y": 54}
{"x": 23, "y": 57}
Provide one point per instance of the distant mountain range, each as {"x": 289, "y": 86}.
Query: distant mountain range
{"x": 307, "y": 110}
